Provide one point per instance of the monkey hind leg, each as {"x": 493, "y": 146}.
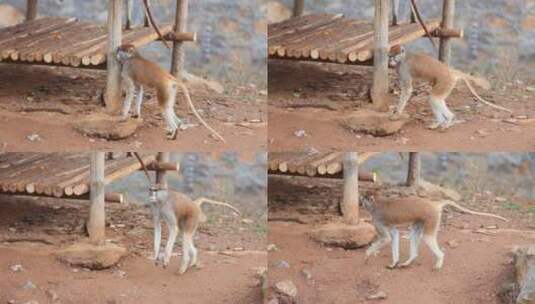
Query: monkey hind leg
{"x": 440, "y": 119}
{"x": 187, "y": 243}
{"x": 431, "y": 241}
{"x": 172, "y": 126}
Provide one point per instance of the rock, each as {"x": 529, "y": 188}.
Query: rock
{"x": 11, "y": 301}
{"x": 247, "y": 221}
{"x": 91, "y": 256}
{"x": 105, "y": 126}
{"x": 300, "y": 133}
{"x": 272, "y": 247}
{"x": 524, "y": 261}
{"x": 282, "y": 264}
{"x": 380, "y": 295}
{"x": 52, "y": 295}
{"x": 453, "y": 244}
{"x": 500, "y": 199}
{"x": 306, "y": 274}
{"x": 276, "y": 11}
{"x": 373, "y": 123}
{"x": 33, "y": 137}
{"x": 286, "y": 288}
{"x": 9, "y": 15}
{"x": 16, "y": 268}
{"x": 29, "y": 285}
{"x": 344, "y": 235}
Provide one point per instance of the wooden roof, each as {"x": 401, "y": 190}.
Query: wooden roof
{"x": 321, "y": 164}
{"x": 333, "y": 38}
{"x": 65, "y": 41}
{"x": 58, "y": 174}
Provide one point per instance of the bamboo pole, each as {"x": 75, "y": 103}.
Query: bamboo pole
{"x": 128, "y": 14}
{"x": 350, "y": 201}
{"x": 96, "y": 222}
{"x": 299, "y": 8}
{"x": 161, "y": 175}
{"x": 379, "y": 91}
{"x": 413, "y": 173}
{"x": 31, "y": 9}
{"x": 181, "y": 21}
{"x": 448, "y": 15}
{"x": 113, "y": 84}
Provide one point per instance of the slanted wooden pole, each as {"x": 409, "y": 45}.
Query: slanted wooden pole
{"x": 113, "y": 84}
{"x": 128, "y": 14}
{"x": 31, "y": 9}
{"x": 97, "y": 215}
{"x": 350, "y": 201}
{"x": 379, "y": 91}
{"x": 448, "y": 15}
{"x": 146, "y": 22}
{"x": 181, "y": 22}
{"x": 161, "y": 175}
{"x": 413, "y": 174}
{"x": 299, "y": 8}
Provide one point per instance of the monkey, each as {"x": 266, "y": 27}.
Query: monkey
{"x": 415, "y": 16}
{"x": 423, "y": 216}
{"x": 137, "y": 72}
{"x": 180, "y": 213}
{"x": 442, "y": 79}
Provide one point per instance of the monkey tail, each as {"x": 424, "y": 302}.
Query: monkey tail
{"x": 480, "y": 82}
{"x": 202, "y": 200}
{"x": 190, "y": 103}
{"x": 465, "y": 210}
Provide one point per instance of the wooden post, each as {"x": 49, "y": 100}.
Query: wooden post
{"x": 379, "y": 91}
{"x": 31, "y": 9}
{"x": 350, "y": 201}
{"x": 448, "y": 14}
{"x": 181, "y": 21}
{"x": 113, "y": 84}
{"x": 146, "y": 22}
{"x": 413, "y": 174}
{"x": 97, "y": 217}
{"x": 299, "y": 8}
{"x": 161, "y": 176}
{"x": 128, "y": 14}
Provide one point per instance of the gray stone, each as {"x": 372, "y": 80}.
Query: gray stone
{"x": 286, "y": 288}
{"x": 344, "y": 235}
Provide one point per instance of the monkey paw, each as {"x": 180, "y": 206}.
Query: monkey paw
{"x": 392, "y": 266}
{"x": 398, "y": 116}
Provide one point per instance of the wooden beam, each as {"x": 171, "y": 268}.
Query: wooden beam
{"x": 447, "y": 33}
{"x": 181, "y": 21}
{"x": 350, "y": 201}
{"x": 163, "y": 166}
{"x": 128, "y": 14}
{"x": 161, "y": 176}
{"x": 180, "y": 37}
{"x": 299, "y": 8}
{"x": 379, "y": 92}
{"x": 114, "y": 197}
{"x": 448, "y": 15}
{"x": 31, "y": 9}
{"x": 113, "y": 83}
{"x": 413, "y": 173}
{"x": 97, "y": 216}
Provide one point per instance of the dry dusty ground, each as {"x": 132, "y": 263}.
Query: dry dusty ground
{"x": 474, "y": 269}
{"x": 46, "y": 100}
{"x": 314, "y": 97}
{"x": 223, "y": 278}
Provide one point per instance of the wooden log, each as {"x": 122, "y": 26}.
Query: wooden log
{"x": 379, "y": 91}
{"x": 299, "y": 8}
{"x": 114, "y": 197}
{"x": 128, "y": 9}
{"x": 180, "y": 37}
{"x": 163, "y": 166}
{"x": 448, "y": 15}
{"x": 413, "y": 173}
{"x": 96, "y": 221}
{"x": 113, "y": 81}
{"x": 31, "y": 9}
{"x": 447, "y": 33}
{"x": 312, "y": 167}
{"x": 161, "y": 176}
{"x": 350, "y": 201}
{"x": 178, "y": 55}
{"x": 322, "y": 167}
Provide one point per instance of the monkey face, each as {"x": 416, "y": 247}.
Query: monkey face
{"x": 397, "y": 54}
{"x": 125, "y": 52}
{"x": 367, "y": 200}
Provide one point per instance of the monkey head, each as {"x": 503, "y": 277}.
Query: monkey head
{"x": 397, "y": 54}
{"x": 125, "y": 52}
{"x": 367, "y": 200}
{"x": 157, "y": 193}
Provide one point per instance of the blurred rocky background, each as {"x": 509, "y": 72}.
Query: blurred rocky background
{"x": 224, "y": 177}
{"x": 499, "y": 34}
{"x": 231, "y": 42}
{"x": 507, "y": 174}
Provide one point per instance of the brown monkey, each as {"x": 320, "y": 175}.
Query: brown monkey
{"x": 137, "y": 72}
{"x": 423, "y": 216}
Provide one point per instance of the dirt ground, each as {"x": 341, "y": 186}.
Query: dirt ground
{"x": 314, "y": 98}
{"x": 47, "y": 100}
{"x": 230, "y": 251}
{"x": 476, "y": 265}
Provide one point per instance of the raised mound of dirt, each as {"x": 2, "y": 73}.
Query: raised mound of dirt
{"x": 105, "y": 126}
{"x": 91, "y": 256}
{"x": 373, "y": 123}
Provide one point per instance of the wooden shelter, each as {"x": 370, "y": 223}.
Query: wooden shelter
{"x": 75, "y": 176}
{"x": 335, "y": 39}
{"x": 65, "y": 41}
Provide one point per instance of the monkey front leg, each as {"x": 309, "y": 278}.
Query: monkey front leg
{"x": 415, "y": 237}
{"x": 157, "y": 232}
{"x": 130, "y": 91}
{"x": 395, "y": 247}
{"x": 405, "y": 82}
{"x": 139, "y": 101}
{"x": 383, "y": 237}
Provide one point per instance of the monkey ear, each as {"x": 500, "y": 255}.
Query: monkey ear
{"x": 396, "y": 49}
